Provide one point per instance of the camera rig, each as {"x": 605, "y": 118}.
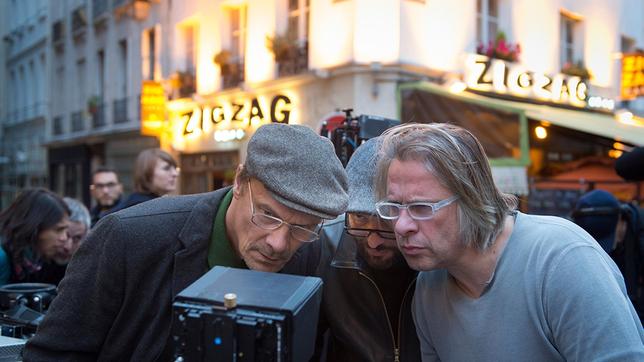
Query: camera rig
{"x": 244, "y": 315}
{"x": 22, "y": 308}
{"x": 348, "y": 132}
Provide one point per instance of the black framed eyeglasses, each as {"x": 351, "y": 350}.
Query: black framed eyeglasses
{"x": 268, "y": 222}
{"x": 363, "y": 233}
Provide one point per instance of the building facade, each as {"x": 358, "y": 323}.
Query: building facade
{"x": 25, "y": 107}
{"x": 198, "y": 77}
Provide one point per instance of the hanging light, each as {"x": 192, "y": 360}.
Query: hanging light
{"x": 541, "y": 132}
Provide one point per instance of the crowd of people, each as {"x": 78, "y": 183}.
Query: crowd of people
{"x": 41, "y": 231}
{"x": 422, "y": 257}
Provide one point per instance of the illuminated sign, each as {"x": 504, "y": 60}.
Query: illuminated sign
{"x": 243, "y": 113}
{"x": 152, "y": 108}
{"x": 632, "y": 76}
{"x": 218, "y": 123}
{"x": 495, "y": 75}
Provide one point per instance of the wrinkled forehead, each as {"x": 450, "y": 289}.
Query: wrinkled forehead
{"x": 264, "y": 200}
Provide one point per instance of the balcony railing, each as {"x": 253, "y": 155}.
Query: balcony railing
{"x": 78, "y": 122}
{"x": 99, "y": 9}
{"x": 233, "y": 75}
{"x": 120, "y": 111}
{"x": 79, "y": 20}
{"x": 57, "y": 126}
{"x": 137, "y": 9}
{"x": 98, "y": 116}
{"x": 295, "y": 64}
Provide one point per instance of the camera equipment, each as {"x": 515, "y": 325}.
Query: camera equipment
{"x": 23, "y": 306}
{"x": 347, "y": 136}
{"x": 244, "y": 315}
{"x": 11, "y": 349}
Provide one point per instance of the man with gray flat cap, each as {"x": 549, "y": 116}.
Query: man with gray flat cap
{"x": 368, "y": 287}
{"x": 115, "y": 302}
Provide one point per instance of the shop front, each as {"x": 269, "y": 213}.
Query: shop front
{"x": 208, "y": 134}
{"x": 548, "y": 138}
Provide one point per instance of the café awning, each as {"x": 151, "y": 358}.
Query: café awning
{"x": 596, "y": 123}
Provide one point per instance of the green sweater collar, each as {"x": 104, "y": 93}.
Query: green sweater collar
{"x": 220, "y": 251}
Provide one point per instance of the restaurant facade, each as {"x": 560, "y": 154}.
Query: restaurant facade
{"x": 550, "y": 87}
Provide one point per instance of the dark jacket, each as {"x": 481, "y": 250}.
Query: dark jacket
{"x": 115, "y": 303}
{"x": 97, "y": 212}
{"x": 135, "y": 198}
{"x": 353, "y": 306}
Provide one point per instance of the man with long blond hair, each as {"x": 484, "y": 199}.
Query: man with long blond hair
{"x": 495, "y": 283}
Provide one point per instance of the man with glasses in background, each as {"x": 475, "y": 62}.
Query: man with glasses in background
{"x": 106, "y": 191}
{"x": 115, "y": 302}
{"x": 368, "y": 287}
{"x": 496, "y": 284}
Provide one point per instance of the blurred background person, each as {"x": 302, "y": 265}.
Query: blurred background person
{"x": 155, "y": 175}
{"x": 34, "y": 231}
{"x": 368, "y": 287}
{"x": 53, "y": 270}
{"x": 619, "y": 229}
{"x": 106, "y": 191}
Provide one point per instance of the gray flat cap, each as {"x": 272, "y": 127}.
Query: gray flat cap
{"x": 299, "y": 168}
{"x": 362, "y": 171}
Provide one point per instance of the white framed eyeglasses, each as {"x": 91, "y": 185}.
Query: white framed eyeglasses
{"x": 268, "y": 222}
{"x": 417, "y": 210}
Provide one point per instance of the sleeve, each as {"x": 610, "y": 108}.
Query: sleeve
{"x": 427, "y": 351}
{"x": 588, "y": 311}
{"x": 89, "y": 299}
{"x": 5, "y": 267}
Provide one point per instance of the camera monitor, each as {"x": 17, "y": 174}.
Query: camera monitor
{"x": 244, "y": 315}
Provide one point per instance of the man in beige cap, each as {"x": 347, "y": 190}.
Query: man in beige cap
{"x": 115, "y": 302}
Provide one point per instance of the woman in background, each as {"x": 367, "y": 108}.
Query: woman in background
{"x": 155, "y": 174}
{"x": 33, "y": 231}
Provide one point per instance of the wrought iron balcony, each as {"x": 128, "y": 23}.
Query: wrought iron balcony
{"x": 98, "y": 116}
{"x": 232, "y": 74}
{"x": 78, "y": 121}
{"x": 297, "y": 62}
{"x": 99, "y": 10}
{"x": 79, "y": 20}
{"x": 57, "y": 126}
{"x": 120, "y": 111}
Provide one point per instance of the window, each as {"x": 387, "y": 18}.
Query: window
{"x": 148, "y": 54}
{"x": 298, "y": 20}
{"x": 627, "y": 44}
{"x": 570, "y": 51}
{"x": 237, "y": 32}
{"x": 190, "y": 41}
{"x": 100, "y": 74}
{"x": 123, "y": 67}
{"x": 60, "y": 87}
{"x": 80, "y": 89}
{"x": 487, "y": 20}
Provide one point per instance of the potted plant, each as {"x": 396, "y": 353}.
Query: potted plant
{"x": 283, "y": 47}
{"x": 92, "y": 104}
{"x": 577, "y": 69}
{"x": 224, "y": 60}
{"x": 500, "y": 48}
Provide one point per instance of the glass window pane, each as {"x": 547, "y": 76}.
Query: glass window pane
{"x": 493, "y": 8}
